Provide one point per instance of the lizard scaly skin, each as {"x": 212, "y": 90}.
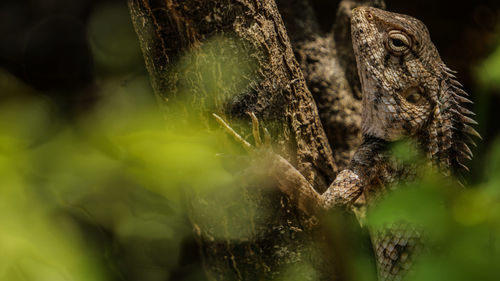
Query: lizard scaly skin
{"x": 407, "y": 92}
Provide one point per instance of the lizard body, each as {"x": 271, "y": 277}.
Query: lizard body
{"x": 407, "y": 92}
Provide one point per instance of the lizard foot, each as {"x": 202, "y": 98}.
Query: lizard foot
{"x": 288, "y": 179}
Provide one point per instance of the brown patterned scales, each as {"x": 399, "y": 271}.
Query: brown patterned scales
{"x": 408, "y": 92}
{"x": 407, "y": 89}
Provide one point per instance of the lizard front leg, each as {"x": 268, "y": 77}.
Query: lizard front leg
{"x": 344, "y": 190}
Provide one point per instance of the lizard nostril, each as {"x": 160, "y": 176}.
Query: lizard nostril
{"x": 369, "y": 16}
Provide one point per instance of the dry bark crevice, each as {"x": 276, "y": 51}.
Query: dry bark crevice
{"x": 329, "y": 67}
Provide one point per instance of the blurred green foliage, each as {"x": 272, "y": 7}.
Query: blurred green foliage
{"x": 487, "y": 72}
{"x": 102, "y": 198}
{"x": 116, "y": 170}
{"x": 461, "y": 226}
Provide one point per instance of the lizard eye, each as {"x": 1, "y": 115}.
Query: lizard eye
{"x": 413, "y": 95}
{"x": 398, "y": 42}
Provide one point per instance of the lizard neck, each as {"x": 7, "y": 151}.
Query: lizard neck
{"x": 369, "y": 157}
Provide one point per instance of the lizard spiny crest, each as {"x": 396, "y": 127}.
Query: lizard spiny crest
{"x": 407, "y": 89}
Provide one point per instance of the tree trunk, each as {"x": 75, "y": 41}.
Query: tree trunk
{"x": 191, "y": 48}
{"x": 328, "y": 63}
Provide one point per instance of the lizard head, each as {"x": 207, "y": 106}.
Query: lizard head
{"x": 407, "y": 89}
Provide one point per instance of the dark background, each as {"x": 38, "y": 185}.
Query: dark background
{"x": 46, "y": 44}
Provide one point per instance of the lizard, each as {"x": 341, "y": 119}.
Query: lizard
{"x": 407, "y": 92}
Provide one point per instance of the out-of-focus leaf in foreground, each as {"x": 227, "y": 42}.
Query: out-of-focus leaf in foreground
{"x": 37, "y": 242}
{"x": 459, "y": 226}
{"x": 488, "y": 71}
{"x": 109, "y": 193}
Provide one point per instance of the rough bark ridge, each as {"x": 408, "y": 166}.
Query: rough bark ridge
{"x": 329, "y": 67}
{"x": 177, "y": 39}
{"x": 167, "y": 29}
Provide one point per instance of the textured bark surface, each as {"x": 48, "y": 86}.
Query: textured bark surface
{"x": 273, "y": 236}
{"x": 329, "y": 67}
{"x": 277, "y": 90}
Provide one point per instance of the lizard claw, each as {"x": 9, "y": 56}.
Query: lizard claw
{"x": 267, "y": 137}
{"x": 255, "y": 131}
{"x": 246, "y": 145}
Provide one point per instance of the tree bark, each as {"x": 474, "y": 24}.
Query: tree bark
{"x": 179, "y": 39}
{"x": 328, "y": 63}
